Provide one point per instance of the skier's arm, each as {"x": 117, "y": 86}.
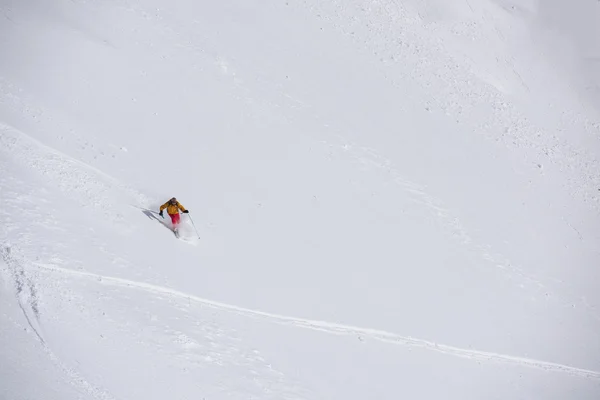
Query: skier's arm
{"x": 182, "y": 208}
{"x": 164, "y": 206}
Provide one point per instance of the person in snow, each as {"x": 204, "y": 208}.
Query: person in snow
{"x": 173, "y": 207}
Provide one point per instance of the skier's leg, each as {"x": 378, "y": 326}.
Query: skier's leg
{"x": 175, "y": 220}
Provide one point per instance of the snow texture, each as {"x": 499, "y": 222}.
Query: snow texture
{"x": 394, "y": 199}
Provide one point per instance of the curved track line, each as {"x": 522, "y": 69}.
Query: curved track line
{"x": 74, "y": 378}
{"x": 92, "y": 186}
{"x": 334, "y": 328}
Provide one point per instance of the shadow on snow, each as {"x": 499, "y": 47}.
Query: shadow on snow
{"x": 153, "y": 215}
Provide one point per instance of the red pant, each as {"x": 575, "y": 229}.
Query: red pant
{"x": 174, "y": 219}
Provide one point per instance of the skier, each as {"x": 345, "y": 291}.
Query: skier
{"x": 173, "y": 207}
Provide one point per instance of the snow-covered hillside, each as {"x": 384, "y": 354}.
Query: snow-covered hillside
{"x": 395, "y": 199}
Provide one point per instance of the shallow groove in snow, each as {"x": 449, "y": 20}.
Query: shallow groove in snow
{"x": 334, "y": 328}
{"x": 27, "y": 300}
{"x": 85, "y": 183}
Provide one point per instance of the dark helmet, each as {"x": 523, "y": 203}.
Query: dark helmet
{"x": 173, "y": 200}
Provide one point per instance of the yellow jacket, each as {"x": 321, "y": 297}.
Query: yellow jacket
{"x": 172, "y": 208}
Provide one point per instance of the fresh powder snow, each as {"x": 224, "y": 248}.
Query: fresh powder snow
{"x": 395, "y": 199}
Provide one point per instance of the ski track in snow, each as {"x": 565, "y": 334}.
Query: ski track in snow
{"x": 91, "y": 186}
{"x": 87, "y": 184}
{"x": 332, "y": 328}
{"x": 27, "y": 299}
{"x": 95, "y": 190}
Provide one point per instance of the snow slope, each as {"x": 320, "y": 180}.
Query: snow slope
{"x": 394, "y": 200}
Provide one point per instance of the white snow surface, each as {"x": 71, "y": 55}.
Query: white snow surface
{"x": 395, "y": 199}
